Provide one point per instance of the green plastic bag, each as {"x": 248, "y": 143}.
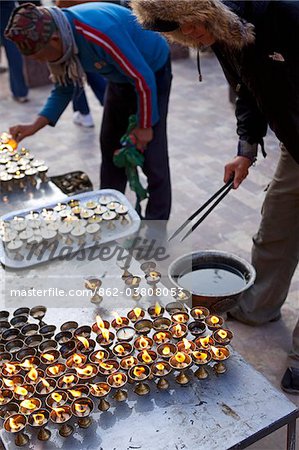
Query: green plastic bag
{"x": 129, "y": 158}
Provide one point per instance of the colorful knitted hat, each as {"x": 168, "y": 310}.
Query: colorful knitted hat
{"x": 30, "y": 28}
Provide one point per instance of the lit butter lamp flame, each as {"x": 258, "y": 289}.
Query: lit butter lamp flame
{"x": 14, "y": 425}
{"x": 61, "y": 415}
{"x": 160, "y": 337}
{"x": 106, "y": 367}
{"x": 146, "y": 357}
{"x": 137, "y": 312}
{"x": 33, "y": 374}
{"x": 157, "y": 306}
{"x": 39, "y": 419}
{"x": 68, "y": 379}
{"x": 166, "y": 350}
{"x": 48, "y": 357}
{"x": 54, "y": 370}
{"x": 27, "y": 364}
{"x": 84, "y": 341}
{"x": 8, "y": 383}
{"x": 139, "y": 372}
{"x": 81, "y": 409}
{"x": 117, "y": 379}
{"x": 120, "y": 349}
{"x": 143, "y": 343}
{"x": 180, "y": 359}
{"x": 198, "y": 312}
{"x": 85, "y": 371}
{"x": 105, "y": 334}
{"x": 75, "y": 393}
{"x": 28, "y": 404}
{"x": 222, "y": 334}
{"x": 77, "y": 359}
{"x": 56, "y": 397}
{"x": 21, "y": 391}
{"x": 160, "y": 367}
{"x": 99, "y": 390}
{"x": 100, "y": 355}
{"x": 129, "y": 361}
{"x": 11, "y": 369}
{"x": 117, "y": 317}
{"x": 214, "y": 320}
{"x": 187, "y": 344}
{"x": 46, "y": 385}
{"x": 179, "y": 318}
{"x": 205, "y": 342}
{"x": 201, "y": 356}
{"x": 100, "y": 322}
{"x": 178, "y": 331}
{"x": 218, "y": 353}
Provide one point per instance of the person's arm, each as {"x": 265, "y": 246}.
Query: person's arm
{"x": 49, "y": 115}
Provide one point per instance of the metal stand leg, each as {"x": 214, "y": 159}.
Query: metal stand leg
{"x": 291, "y": 436}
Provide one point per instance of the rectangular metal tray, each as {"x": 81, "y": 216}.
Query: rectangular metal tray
{"x": 121, "y": 230}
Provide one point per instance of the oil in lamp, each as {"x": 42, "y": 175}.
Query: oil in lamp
{"x": 47, "y": 346}
{"x": 147, "y": 357}
{"x": 30, "y": 405}
{"x": 10, "y": 335}
{"x": 197, "y": 328}
{"x": 204, "y": 342}
{"x": 39, "y": 420}
{"x": 160, "y": 337}
{"x": 16, "y": 424}
{"x": 106, "y": 338}
{"x": 180, "y": 317}
{"x": 23, "y": 392}
{"x": 19, "y": 321}
{"x": 61, "y": 416}
{"x": 45, "y": 386}
{"x": 87, "y": 372}
{"x": 181, "y": 362}
{"x": 119, "y": 322}
{"x": 82, "y": 408}
{"x": 156, "y": 311}
{"x": 76, "y": 360}
{"x": 6, "y": 396}
{"x": 10, "y": 369}
{"x": 63, "y": 337}
{"x": 219, "y": 354}
{"x": 33, "y": 341}
{"x": 153, "y": 278}
{"x": 222, "y": 336}
{"x": 50, "y": 357}
{"x": 108, "y": 367}
{"x": 140, "y": 373}
{"x": 56, "y": 399}
{"x": 143, "y": 326}
{"x": 99, "y": 324}
{"x": 186, "y": 346}
{"x": 178, "y": 330}
{"x": 55, "y": 370}
{"x": 67, "y": 381}
{"x": 30, "y": 363}
{"x": 11, "y": 383}
{"x": 133, "y": 283}
{"x": 182, "y": 295}
{"x": 161, "y": 369}
{"x": 143, "y": 343}
{"x": 122, "y": 349}
{"x": 30, "y": 329}
{"x": 199, "y": 312}
{"x": 200, "y": 358}
{"x": 214, "y": 322}
{"x": 161, "y": 324}
{"x": 14, "y": 346}
{"x": 113, "y": 205}
{"x": 84, "y": 331}
{"x": 60, "y": 207}
{"x": 47, "y": 331}
{"x": 148, "y": 267}
{"x": 98, "y": 356}
{"x": 135, "y": 314}
{"x": 167, "y": 350}
{"x": 122, "y": 211}
{"x": 68, "y": 349}
{"x": 101, "y": 390}
{"x": 117, "y": 380}
{"x": 127, "y": 362}
{"x": 71, "y": 326}
{"x": 85, "y": 346}
{"x": 109, "y": 216}
{"x": 79, "y": 391}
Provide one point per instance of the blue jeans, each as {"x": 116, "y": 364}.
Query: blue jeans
{"x": 15, "y": 62}
{"x": 97, "y": 84}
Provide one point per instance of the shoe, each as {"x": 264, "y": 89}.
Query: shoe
{"x": 84, "y": 120}
{"x": 21, "y": 99}
{"x": 290, "y": 381}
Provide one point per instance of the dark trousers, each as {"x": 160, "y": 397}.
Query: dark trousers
{"x": 120, "y": 103}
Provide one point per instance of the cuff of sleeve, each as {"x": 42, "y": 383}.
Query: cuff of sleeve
{"x": 247, "y": 150}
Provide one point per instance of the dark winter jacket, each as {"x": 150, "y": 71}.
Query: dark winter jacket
{"x": 264, "y": 71}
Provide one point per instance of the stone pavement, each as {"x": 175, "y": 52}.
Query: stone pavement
{"x": 201, "y": 139}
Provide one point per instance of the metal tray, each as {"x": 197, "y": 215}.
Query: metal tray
{"x": 121, "y": 230}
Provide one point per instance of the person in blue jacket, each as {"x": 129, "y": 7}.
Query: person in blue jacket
{"x": 104, "y": 38}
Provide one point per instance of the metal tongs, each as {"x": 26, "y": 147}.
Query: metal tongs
{"x": 221, "y": 193}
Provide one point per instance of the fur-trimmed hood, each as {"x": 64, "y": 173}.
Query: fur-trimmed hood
{"x": 226, "y": 26}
